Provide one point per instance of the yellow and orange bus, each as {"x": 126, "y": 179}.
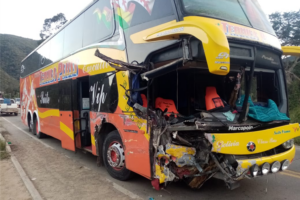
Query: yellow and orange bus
{"x": 158, "y": 87}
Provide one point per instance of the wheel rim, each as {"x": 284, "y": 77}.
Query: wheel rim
{"x": 115, "y": 155}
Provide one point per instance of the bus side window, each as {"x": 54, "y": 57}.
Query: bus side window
{"x": 103, "y": 93}
{"x": 73, "y": 36}
{"x": 98, "y": 22}
{"x": 47, "y": 96}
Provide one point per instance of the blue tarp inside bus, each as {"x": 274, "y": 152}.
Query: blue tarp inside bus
{"x": 261, "y": 113}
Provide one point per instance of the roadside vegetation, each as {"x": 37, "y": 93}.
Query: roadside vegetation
{"x": 3, "y": 153}
{"x": 286, "y": 26}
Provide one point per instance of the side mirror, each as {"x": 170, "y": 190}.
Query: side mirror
{"x": 291, "y": 50}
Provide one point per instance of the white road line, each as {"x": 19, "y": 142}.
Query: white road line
{"x": 48, "y": 146}
{"x": 115, "y": 185}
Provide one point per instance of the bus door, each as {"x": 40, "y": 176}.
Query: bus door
{"x": 84, "y": 112}
{"x": 66, "y": 115}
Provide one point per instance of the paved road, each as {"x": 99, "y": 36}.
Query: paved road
{"x": 284, "y": 185}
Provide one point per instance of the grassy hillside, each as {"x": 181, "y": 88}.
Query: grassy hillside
{"x": 9, "y": 85}
{"x": 13, "y": 50}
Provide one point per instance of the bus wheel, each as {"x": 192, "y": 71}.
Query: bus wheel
{"x": 114, "y": 157}
{"x": 30, "y": 125}
{"x": 36, "y": 129}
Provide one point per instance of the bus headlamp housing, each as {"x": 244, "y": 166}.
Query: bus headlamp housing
{"x": 288, "y": 144}
{"x": 285, "y": 164}
{"x": 275, "y": 167}
{"x": 265, "y": 168}
{"x": 254, "y": 170}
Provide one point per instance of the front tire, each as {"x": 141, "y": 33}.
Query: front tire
{"x": 114, "y": 157}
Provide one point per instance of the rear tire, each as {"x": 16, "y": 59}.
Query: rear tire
{"x": 36, "y": 130}
{"x": 113, "y": 154}
{"x": 30, "y": 125}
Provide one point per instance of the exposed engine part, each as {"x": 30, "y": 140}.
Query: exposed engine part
{"x": 141, "y": 109}
{"x": 180, "y": 139}
{"x": 228, "y": 176}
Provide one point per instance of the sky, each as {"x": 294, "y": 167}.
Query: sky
{"x": 25, "y": 18}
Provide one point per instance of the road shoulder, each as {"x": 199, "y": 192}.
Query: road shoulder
{"x": 56, "y": 176}
{"x": 11, "y": 184}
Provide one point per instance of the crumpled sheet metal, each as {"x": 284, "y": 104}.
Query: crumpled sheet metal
{"x": 244, "y": 166}
{"x": 181, "y": 155}
{"x": 163, "y": 174}
{"x": 179, "y": 151}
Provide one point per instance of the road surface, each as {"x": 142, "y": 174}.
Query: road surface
{"x": 284, "y": 185}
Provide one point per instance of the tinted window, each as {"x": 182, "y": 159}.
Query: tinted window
{"x": 65, "y": 100}
{"x": 98, "y": 22}
{"x": 44, "y": 53}
{"x": 229, "y": 10}
{"x": 245, "y": 12}
{"x": 103, "y": 93}
{"x": 256, "y": 16}
{"x": 73, "y": 36}
{"x": 144, "y": 11}
{"x": 56, "y": 44}
{"x": 47, "y": 97}
{"x": 31, "y": 64}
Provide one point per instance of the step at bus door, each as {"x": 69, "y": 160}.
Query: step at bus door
{"x": 66, "y": 115}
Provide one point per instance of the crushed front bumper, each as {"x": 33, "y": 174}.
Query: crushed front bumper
{"x": 246, "y": 164}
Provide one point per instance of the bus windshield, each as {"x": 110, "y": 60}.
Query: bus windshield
{"x": 244, "y": 12}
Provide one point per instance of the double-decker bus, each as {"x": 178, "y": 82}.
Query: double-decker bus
{"x": 169, "y": 89}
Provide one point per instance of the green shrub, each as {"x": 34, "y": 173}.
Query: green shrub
{"x": 3, "y": 153}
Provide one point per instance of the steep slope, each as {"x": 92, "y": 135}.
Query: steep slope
{"x": 13, "y": 50}
{"x": 8, "y": 84}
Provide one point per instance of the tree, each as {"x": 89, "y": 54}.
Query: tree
{"x": 287, "y": 28}
{"x": 51, "y": 25}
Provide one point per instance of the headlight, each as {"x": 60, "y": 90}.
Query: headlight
{"x": 285, "y": 164}
{"x": 254, "y": 170}
{"x": 288, "y": 144}
{"x": 265, "y": 168}
{"x": 275, "y": 166}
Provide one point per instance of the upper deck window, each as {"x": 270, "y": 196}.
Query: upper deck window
{"x": 98, "y": 22}
{"x": 244, "y": 12}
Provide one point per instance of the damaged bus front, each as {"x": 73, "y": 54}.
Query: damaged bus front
{"x": 214, "y": 97}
